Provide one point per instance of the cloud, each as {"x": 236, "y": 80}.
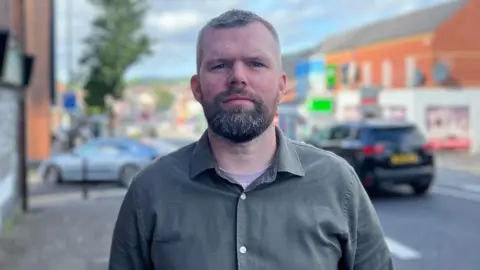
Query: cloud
{"x": 174, "y": 25}
{"x": 71, "y": 28}
{"x": 171, "y": 22}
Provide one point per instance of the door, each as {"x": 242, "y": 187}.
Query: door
{"x": 105, "y": 162}
{"x": 72, "y": 164}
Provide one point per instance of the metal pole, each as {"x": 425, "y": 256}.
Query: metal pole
{"x": 84, "y": 179}
{"x": 69, "y": 29}
{"x": 69, "y": 53}
{"x": 21, "y": 129}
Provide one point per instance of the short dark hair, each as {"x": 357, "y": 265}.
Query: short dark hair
{"x": 231, "y": 19}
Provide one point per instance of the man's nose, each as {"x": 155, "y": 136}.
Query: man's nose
{"x": 238, "y": 75}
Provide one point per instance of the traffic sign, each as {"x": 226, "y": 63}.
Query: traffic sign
{"x": 70, "y": 101}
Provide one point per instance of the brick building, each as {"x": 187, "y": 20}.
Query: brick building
{"x": 434, "y": 47}
{"x": 38, "y": 16}
{"x": 26, "y": 23}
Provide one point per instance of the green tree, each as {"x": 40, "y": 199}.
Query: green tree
{"x": 117, "y": 42}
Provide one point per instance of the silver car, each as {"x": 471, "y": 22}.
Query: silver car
{"x": 107, "y": 159}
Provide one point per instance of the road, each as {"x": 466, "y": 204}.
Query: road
{"x": 436, "y": 232}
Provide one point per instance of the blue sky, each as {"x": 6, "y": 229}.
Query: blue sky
{"x": 174, "y": 26}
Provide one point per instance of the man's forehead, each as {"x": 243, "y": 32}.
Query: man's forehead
{"x": 254, "y": 38}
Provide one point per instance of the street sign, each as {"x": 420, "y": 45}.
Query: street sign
{"x": 322, "y": 105}
{"x": 70, "y": 101}
{"x": 301, "y": 79}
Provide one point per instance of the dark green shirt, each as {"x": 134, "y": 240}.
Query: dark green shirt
{"x": 308, "y": 211}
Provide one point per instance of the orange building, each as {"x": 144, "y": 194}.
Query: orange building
{"x": 38, "y": 41}
{"x": 437, "y": 46}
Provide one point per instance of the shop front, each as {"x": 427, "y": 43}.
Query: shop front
{"x": 449, "y": 119}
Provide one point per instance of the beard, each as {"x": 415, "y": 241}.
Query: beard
{"x": 238, "y": 124}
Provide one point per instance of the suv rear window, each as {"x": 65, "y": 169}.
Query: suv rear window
{"x": 396, "y": 135}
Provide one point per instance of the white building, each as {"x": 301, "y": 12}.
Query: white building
{"x": 450, "y": 118}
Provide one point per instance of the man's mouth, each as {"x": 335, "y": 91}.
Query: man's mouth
{"x": 237, "y": 98}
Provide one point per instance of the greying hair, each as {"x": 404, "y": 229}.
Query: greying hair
{"x": 232, "y": 19}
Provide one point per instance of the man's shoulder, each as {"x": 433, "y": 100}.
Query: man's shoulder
{"x": 311, "y": 154}
{"x": 173, "y": 165}
{"x": 323, "y": 165}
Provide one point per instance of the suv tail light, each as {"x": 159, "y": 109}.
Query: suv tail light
{"x": 428, "y": 147}
{"x": 369, "y": 150}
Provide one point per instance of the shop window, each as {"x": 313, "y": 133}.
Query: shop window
{"x": 367, "y": 74}
{"x": 387, "y": 74}
{"x": 410, "y": 66}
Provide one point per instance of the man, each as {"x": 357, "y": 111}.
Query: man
{"x": 244, "y": 196}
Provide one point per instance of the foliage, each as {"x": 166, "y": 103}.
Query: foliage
{"x": 117, "y": 42}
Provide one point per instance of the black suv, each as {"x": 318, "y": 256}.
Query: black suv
{"x": 382, "y": 152}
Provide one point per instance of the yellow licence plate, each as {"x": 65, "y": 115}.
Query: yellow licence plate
{"x": 404, "y": 159}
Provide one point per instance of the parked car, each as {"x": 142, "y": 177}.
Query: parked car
{"x": 382, "y": 152}
{"x": 105, "y": 159}
{"x": 161, "y": 146}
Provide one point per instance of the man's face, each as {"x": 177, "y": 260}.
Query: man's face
{"x": 239, "y": 82}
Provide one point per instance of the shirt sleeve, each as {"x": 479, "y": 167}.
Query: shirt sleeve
{"x": 130, "y": 248}
{"x": 365, "y": 248}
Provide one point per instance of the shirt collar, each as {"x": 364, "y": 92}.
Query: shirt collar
{"x": 286, "y": 157}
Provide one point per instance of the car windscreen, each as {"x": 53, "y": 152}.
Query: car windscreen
{"x": 396, "y": 135}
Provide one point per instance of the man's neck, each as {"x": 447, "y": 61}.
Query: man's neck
{"x": 247, "y": 157}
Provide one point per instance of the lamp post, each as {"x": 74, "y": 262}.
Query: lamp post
{"x": 69, "y": 40}
{"x": 21, "y": 128}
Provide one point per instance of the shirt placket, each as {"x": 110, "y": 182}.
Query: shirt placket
{"x": 241, "y": 231}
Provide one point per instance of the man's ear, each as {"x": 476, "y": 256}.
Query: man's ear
{"x": 195, "y": 87}
{"x": 282, "y": 86}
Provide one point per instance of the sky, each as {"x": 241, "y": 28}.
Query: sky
{"x": 174, "y": 24}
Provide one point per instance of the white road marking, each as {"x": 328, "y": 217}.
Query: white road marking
{"x": 471, "y": 188}
{"x": 456, "y": 193}
{"x": 401, "y": 251}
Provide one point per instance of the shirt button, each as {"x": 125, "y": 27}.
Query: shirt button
{"x": 243, "y": 249}
{"x": 243, "y": 196}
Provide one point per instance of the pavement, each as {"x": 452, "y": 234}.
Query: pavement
{"x": 461, "y": 161}
{"x": 72, "y": 235}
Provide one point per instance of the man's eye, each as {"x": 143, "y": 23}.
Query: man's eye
{"x": 256, "y": 64}
{"x": 219, "y": 66}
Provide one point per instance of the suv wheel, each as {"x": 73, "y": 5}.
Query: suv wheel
{"x": 421, "y": 188}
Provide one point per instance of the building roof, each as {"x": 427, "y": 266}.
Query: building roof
{"x": 411, "y": 24}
